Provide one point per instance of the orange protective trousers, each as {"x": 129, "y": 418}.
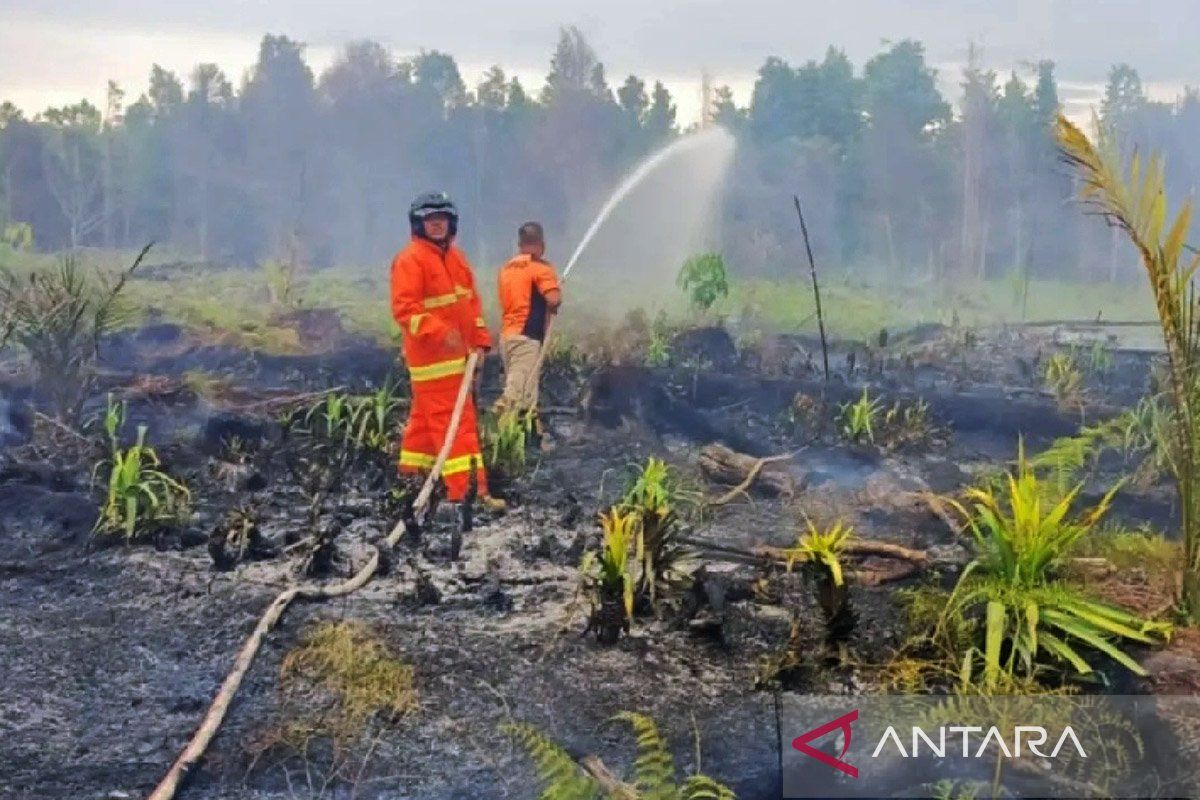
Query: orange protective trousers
{"x": 428, "y": 422}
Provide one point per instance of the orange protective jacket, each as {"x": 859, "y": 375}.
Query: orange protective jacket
{"x": 433, "y": 292}
{"x": 524, "y": 283}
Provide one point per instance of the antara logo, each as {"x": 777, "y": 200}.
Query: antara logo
{"x": 1031, "y": 737}
{"x": 842, "y": 723}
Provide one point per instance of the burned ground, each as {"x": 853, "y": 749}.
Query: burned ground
{"x": 110, "y": 654}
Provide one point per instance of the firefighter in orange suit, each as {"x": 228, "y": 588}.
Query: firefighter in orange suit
{"x": 529, "y": 295}
{"x": 436, "y": 306}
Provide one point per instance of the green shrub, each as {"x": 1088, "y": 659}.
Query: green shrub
{"x": 139, "y": 496}
{"x": 608, "y": 575}
{"x": 861, "y": 418}
{"x": 705, "y": 280}
{"x": 58, "y": 317}
{"x": 1014, "y": 582}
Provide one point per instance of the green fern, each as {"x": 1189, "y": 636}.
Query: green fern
{"x": 654, "y": 769}
{"x": 563, "y": 778}
{"x": 702, "y": 787}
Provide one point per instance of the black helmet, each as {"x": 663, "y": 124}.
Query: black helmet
{"x": 432, "y": 203}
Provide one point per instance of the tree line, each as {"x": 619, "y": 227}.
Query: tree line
{"x": 319, "y": 169}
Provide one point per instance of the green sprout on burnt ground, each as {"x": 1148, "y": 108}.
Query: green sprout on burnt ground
{"x": 860, "y": 418}
{"x": 58, "y": 317}
{"x": 819, "y": 551}
{"x": 658, "y": 349}
{"x": 1063, "y": 378}
{"x": 893, "y": 427}
{"x": 705, "y": 280}
{"x": 907, "y": 425}
{"x": 654, "y": 774}
{"x": 506, "y": 440}
{"x": 564, "y": 356}
{"x": 1030, "y": 614}
{"x": 340, "y": 679}
{"x": 608, "y": 576}
{"x": 140, "y": 498}
{"x": 1095, "y": 360}
{"x": 377, "y": 416}
{"x": 822, "y": 550}
{"x": 365, "y": 422}
{"x": 654, "y": 496}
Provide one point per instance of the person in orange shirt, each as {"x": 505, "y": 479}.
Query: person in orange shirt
{"x": 529, "y": 295}
{"x": 438, "y": 310}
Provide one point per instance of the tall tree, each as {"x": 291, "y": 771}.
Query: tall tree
{"x": 1124, "y": 100}
{"x": 660, "y": 116}
{"x": 573, "y": 67}
{"x": 831, "y": 98}
{"x": 905, "y": 113}
{"x": 632, "y": 99}
{"x": 492, "y": 91}
{"x": 112, "y": 157}
{"x": 1021, "y": 140}
{"x": 1045, "y": 95}
{"x": 774, "y": 112}
{"x": 979, "y": 105}
{"x": 279, "y": 110}
{"x": 901, "y": 91}
{"x": 205, "y": 143}
{"x": 518, "y": 98}
{"x": 438, "y": 72}
{"x": 165, "y": 92}
{"x": 73, "y": 167}
{"x": 725, "y": 110}
{"x": 376, "y": 121}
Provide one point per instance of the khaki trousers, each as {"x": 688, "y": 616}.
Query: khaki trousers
{"x": 520, "y": 357}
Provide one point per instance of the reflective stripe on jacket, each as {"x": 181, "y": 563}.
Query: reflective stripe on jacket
{"x": 433, "y": 293}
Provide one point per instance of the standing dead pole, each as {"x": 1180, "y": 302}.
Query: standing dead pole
{"x": 199, "y": 742}
{"x": 812, "y": 264}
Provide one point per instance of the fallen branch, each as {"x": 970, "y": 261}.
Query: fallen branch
{"x": 613, "y": 786}
{"x": 940, "y": 508}
{"x": 858, "y": 547}
{"x": 64, "y": 428}
{"x": 289, "y": 399}
{"x": 724, "y": 465}
{"x": 750, "y": 476}
{"x": 893, "y": 571}
{"x": 199, "y": 742}
{"x": 864, "y": 547}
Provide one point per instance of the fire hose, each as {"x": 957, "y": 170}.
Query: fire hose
{"x": 187, "y": 760}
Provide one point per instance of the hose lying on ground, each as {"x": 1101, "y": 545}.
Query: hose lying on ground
{"x": 199, "y": 742}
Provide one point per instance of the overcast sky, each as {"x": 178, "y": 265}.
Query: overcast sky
{"x": 57, "y": 51}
